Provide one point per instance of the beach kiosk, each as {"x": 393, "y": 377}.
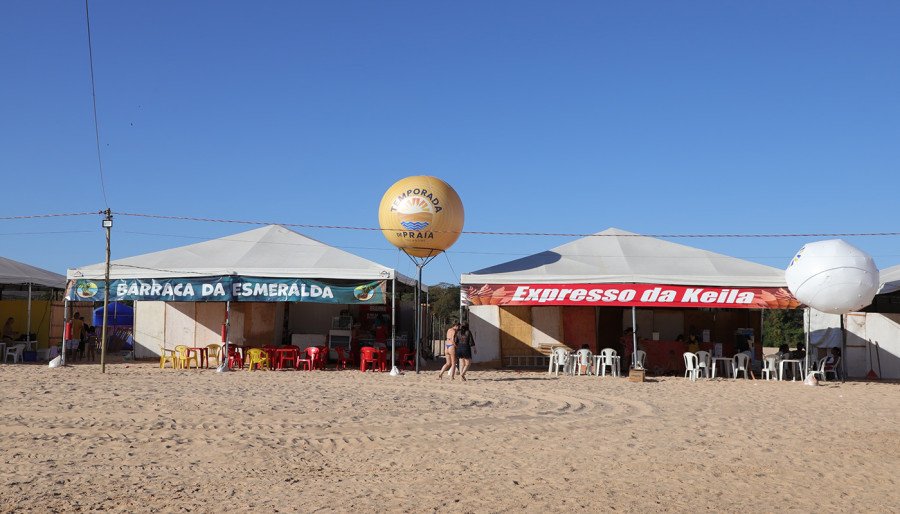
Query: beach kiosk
{"x": 269, "y": 283}
{"x": 589, "y": 292}
{"x": 26, "y": 295}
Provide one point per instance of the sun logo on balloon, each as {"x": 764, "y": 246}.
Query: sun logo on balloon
{"x": 415, "y": 213}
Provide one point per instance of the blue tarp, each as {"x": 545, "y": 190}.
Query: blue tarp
{"x": 117, "y": 314}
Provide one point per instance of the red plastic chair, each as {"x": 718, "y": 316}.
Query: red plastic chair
{"x": 382, "y": 358}
{"x": 303, "y": 360}
{"x": 369, "y": 355}
{"x": 235, "y": 357}
{"x": 314, "y": 355}
{"x": 323, "y": 356}
{"x": 407, "y": 358}
{"x": 342, "y": 358}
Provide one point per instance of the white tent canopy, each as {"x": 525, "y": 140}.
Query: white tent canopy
{"x": 617, "y": 256}
{"x": 14, "y": 272}
{"x": 272, "y": 251}
{"x": 890, "y": 280}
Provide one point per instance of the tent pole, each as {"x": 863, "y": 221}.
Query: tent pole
{"x": 394, "y": 370}
{"x": 634, "y": 336}
{"x": 418, "y": 312}
{"x": 223, "y": 359}
{"x": 843, "y": 350}
{"x": 808, "y": 325}
{"x": 28, "y": 329}
{"x": 62, "y": 347}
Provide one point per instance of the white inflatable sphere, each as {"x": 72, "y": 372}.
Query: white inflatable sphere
{"x": 832, "y": 276}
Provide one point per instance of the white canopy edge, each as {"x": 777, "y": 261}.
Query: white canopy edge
{"x": 617, "y": 256}
{"x": 15, "y": 272}
{"x": 890, "y": 280}
{"x": 270, "y": 252}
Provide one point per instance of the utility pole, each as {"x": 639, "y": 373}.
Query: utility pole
{"x": 107, "y": 224}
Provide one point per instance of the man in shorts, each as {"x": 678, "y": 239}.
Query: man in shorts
{"x": 77, "y": 327}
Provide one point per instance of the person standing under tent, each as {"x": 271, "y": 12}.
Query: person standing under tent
{"x": 74, "y": 333}
{"x": 465, "y": 346}
{"x": 450, "y": 352}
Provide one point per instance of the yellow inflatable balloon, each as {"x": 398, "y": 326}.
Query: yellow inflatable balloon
{"x": 421, "y": 215}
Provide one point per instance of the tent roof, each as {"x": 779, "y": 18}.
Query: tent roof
{"x": 617, "y": 256}
{"x": 890, "y": 280}
{"x": 15, "y": 272}
{"x": 271, "y": 251}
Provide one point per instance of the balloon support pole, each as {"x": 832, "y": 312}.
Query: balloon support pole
{"x": 395, "y": 372}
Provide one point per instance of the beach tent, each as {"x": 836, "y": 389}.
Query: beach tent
{"x": 870, "y": 339}
{"x": 21, "y": 274}
{"x": 14, "y": 272}
{"x": 270, "y": 251}
{"x": 117, "y": 314}
{"x": 573, "y": 275}
{"x": 267, "y": 264}
{"x": 617, "y": 256}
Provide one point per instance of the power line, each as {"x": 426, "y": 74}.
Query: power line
{"x": 470, "y": 232}
{"x": 496, "y": 233}
{"x": 87, "y": 17}
{"x": 56, "y": 215}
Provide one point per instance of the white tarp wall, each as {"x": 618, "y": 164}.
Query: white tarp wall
{"x": 484, "y": 322}
{"x": 149, "y": 335}
{"x": 870, "y": 337}
{"x": 198, "y": 324}
{"x": 884, "y": 332}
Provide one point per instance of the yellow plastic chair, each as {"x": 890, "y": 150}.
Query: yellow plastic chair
{"x": 166, "y": 355}
{"x": 257, "y": 356}
{"x": 214, "y": 350}
{"x": 185, "y": 357}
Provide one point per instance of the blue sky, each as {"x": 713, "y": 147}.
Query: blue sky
{"x": 654, "y": 117}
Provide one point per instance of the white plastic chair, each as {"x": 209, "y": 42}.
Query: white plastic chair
{"x": 558, "y": 359}
{"x": 704, "y": 363}
{"x": 584, "y": 359}
{"x": 691, "y": 365}
{"x": 639, "y": 359}
{"x": 15, "y": 352}
{"x": 820, "y": 370}
{"x": 739, "y": 362}
{"x": 770, "y": 367}
{"x": 607, "y": 358}
{"x": 836, "y": 369}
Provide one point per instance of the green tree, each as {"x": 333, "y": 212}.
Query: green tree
{"x": 782, "y": 326}
{"x": 445, "y": 302}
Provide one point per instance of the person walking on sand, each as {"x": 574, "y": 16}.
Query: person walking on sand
{"x": 450, "y": 352}
{"x": 465, "y": 345}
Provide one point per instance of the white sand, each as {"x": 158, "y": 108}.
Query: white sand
{"x": 139, "y": 439}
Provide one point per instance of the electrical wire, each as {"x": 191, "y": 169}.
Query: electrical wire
{"x": 87, "y": 17}
{"x": 37, "y": 216}
{"x": 455, "y": 274}
{"x": 495, "y": 233}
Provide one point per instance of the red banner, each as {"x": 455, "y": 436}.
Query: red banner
{"x": 627, "y": 295}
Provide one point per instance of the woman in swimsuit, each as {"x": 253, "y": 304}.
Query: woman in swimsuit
{"x": 465, "y": 343}
{"x": 450, "y": 352}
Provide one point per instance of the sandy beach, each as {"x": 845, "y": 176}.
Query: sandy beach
{"x": 141, "y": 439}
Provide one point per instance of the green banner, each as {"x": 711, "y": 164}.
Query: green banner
{"x": 235, "y": 289}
